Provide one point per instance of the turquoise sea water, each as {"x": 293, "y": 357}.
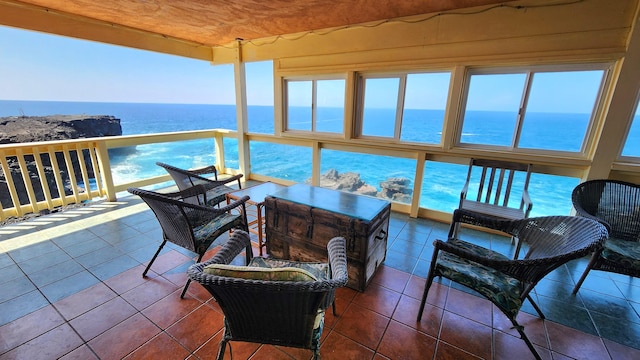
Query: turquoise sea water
{"x": 442, "y": 182}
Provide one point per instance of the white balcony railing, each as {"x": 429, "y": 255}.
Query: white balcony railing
{"x": 40, "y": 176}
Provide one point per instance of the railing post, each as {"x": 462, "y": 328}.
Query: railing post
{"x": 105, "y": 170}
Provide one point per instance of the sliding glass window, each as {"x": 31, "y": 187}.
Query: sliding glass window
{"x": 407, "y": 107}
{"x": 537, "y": 108}
{"x": 315, "y": 105}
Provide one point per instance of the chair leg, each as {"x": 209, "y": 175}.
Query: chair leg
{"x": 184, "y": 291}
{"x": 427, "y": 285}
{"x": 223, "y": 344}
{"x": 518, "y": 246}
{"x": 186, "y": 286}
{"x": 524, "y": 337}
{"x": 154, "y": 257}
{"x": 535, "y": 306}
{"x": 248, "y": 254}
{"x": 592, "y": 262}
{"x": 584, "y": 276}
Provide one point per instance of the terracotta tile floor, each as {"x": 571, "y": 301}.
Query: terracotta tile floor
{"x": 72, "y": 289}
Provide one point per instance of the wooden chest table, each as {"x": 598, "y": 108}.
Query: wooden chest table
{"x": 301, "y": 219}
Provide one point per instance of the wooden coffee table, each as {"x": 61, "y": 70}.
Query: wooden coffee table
{"x": 255, "y": 210}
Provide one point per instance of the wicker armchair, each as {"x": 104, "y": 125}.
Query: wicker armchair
{"x": 191, "y": 226}
{"x": 278, "y": 312}
{"x": 216, "y": 189}
{"x": 552, "y": 241}
{"x": 615, "y": 204}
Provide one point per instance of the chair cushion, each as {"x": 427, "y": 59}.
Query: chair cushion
{"x": 501, "y": 289}
{"x": 223, "y": 221}
{"x": 624, "y": 253}
{"x": 319, "y": 270}
{"x": 259, "y": 273}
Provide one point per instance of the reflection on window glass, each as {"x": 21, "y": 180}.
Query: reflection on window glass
{"x": 330, "y": 108}
{"x": 559, "y": 109}
{"x": 632, "y": 144}
{"x": 443, "y": 182}
{"x": 288, "y": 162}
{"x": 374, "y": 175}
{"x": 493, "y": 102}
{"x": 380, "y": 102}
{"x": 299, "y": 105}
{"x": 425, "y": 101}
{"x": 259, "y": 80}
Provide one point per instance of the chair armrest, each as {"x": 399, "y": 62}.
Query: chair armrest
{"x": 211, "y": 169}
{"x": 217, "y": 210}
{"x": 336, "y": 249}
{"x": 211, "y": 184}
{"x": 238, "y": 241}
{"x": 463, "y": 193}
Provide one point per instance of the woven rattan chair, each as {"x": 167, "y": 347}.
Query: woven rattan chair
{"x": 191, "y": 226}
{"x": 278, "y": 312}
{"x": 615, "y": 204}
{"x": 552, "y": 241}
{"x": 217, "y": 189}
{"x": 492, "y": 184}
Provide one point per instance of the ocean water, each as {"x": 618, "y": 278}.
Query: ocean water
{"x": 442, "y": 182}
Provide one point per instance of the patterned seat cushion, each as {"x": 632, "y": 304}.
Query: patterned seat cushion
{"x": 503, "y": 290}
{"x": 259, "y": 273}
{"x": 624, "y": 253}
{"x": 319, "y": 270}
{"x": 211, "y": 228}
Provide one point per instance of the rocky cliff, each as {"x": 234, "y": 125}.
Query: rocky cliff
{"x": 22, "y": 129}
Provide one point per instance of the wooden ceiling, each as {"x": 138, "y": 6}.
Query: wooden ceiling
{"x": 219, "y": 22}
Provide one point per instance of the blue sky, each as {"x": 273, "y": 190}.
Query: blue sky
{"x": 38, "y": 66}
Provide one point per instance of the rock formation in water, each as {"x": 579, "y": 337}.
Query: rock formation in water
{"x": 23, "y": 129}
{"x": 396, "y": 189}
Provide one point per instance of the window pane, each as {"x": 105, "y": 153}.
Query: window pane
{"x": 632, "y": 144}
{"x": 558, "y": 110}
{"x": 424, "y": 105}
{"x": 330, "y": 106}
{"x": 231, "y": 153}
{"x": 441, "y": 185}
{"x": 492, "y": 108}
{"x": 380, "y": 103}
{"x": 551, "y": 194}
{"x": 287, "y": 162}
{"x": 299, "y": 100}
{"x": 374, "y": 175}
{"x": 259, "y": 77}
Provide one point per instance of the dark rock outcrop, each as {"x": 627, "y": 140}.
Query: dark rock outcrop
{"x": 23, "y": 129}
{"x": 396, "y": 189}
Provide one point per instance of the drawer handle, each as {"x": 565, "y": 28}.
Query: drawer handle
{"x": 381, "y": 235}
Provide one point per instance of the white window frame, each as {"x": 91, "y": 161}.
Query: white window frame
{"x": 314, "y": 101}
{"x": 529, "y": 72}
{"x": 402, "y": 88}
